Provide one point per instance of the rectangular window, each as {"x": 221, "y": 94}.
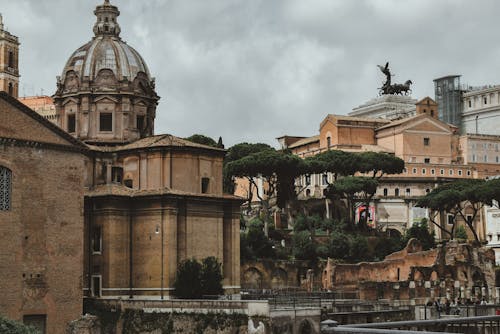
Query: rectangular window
{"x": 385, "y": 192}
{"x": 427, "y": 160}
{"x": 427, "y": 141}
{"x": 408, "y": 191}
{"x": 450, "y": 219}
{"x": 308, "y": 180}
{"x": 485, "y": 100}
{"x": 469, "y": 219}
{"x": 451, "y": 171}
{"x": 116, "y": 174}
{"x": 71, "y": 123}
{"x": 140, "y": 122}
{"x": 473, "y": 158}
{"x": 205, "y": 181}
{"x": 468, "y": 173}
{"x": 325, "y": 179}
{"x": 485, "y": 158}
{"x": 106, "y": 122}
{"x": 396, "y": 192}
{"x": 11, "y": 59}
{"x": 96, "y": 239}
{"x": 470, "y": 104}
{"x": 96, "y": 286}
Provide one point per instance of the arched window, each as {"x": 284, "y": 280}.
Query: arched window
{"x": 5, "y": 188}
{"x": 11, "y": 89}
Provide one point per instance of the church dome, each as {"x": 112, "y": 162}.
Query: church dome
{"x": 106, "y": 51}
{"x": 106, "y": 95}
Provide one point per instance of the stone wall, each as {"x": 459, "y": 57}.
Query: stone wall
{"x": 273, "y": 274}
{"x": 452, "y": 270}
{"x": 41, "y": 236}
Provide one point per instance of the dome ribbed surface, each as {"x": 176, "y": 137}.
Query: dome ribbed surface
{"x": 106, "y": 52}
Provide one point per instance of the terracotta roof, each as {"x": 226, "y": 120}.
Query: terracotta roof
{"x": 400, "y": 121}
{"x": 48, "y": 124}
{"x": 165, "y": 140}
{"x": 36, "y": 101}
{"x": 404, "y": 120}
{"x": 368, "y": 148}
{"x": 116, "y": 189}
{"x": 304, "y": 141}
{"x": 357, "y": 119}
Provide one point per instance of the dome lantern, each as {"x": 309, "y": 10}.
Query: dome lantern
{"x": 107, "y": 23}
{"x": 105, "y": 94}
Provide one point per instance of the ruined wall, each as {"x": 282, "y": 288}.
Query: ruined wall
{"x": 270, "y": 274}
{"x": 452, "y": 270}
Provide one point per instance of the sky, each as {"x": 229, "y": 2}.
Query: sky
{"x": 254, "y": 70}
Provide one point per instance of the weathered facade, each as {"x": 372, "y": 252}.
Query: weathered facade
{"x": 151, "y": 201}
{"x": 41, "y": 213}
{"x": 150, "y": 205}
{"x": 100, "y": 207}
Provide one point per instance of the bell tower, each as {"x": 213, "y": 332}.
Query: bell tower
{"x": 9, "y": 62}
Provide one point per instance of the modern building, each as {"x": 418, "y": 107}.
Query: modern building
{"x": 9, "y": 61}
{"x": 448, "y": 96}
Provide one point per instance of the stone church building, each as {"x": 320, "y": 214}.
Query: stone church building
{"x": 121, "y": 207}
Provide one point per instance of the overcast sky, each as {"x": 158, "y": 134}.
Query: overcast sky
{"x": 253, "y": 70}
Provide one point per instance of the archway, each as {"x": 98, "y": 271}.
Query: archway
{"x": 279, "y": 278}
{"x": 252, "y": 279}
{"x": 305, "y": 327}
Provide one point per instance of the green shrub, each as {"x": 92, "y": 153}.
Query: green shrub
{"x": 421, "y": 232}
{"x": 460, "y": 232}
{"x": 187, "y": 284}
{"x": 211, "y": 276}
{"x": 303, "y": 246}
{"x": 8, "y": 326}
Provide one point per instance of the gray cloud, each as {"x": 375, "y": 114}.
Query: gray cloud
{"x": 255, "y": 70}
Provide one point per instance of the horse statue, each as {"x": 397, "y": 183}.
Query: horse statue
{"x": 392, "y": 89}
{"x": 403, "y": 89}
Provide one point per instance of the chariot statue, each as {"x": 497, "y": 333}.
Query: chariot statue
{"x": 393, "y": 89}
